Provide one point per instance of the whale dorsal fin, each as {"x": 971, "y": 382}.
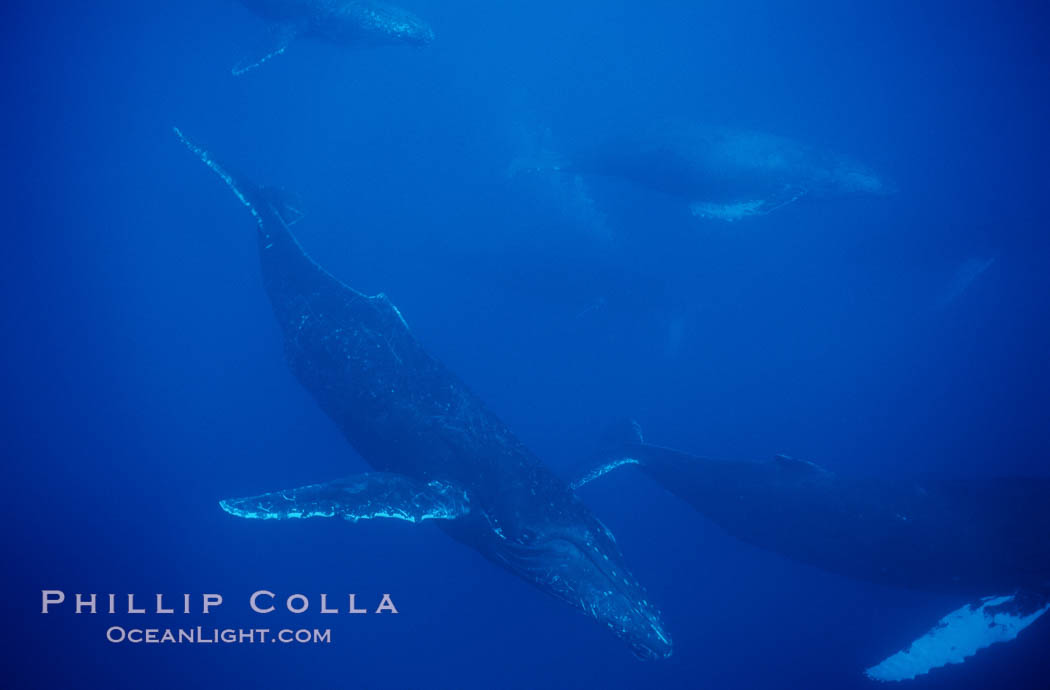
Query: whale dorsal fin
{"x": 383, "y": 303}
{"x": 358, "y": 497}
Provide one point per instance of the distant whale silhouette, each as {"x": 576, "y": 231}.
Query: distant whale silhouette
{"x": 343, "y": 22}
{"x": 965, "y": 275}
{"x": 722, "y": 173}
{"x": 440, "y": 454}
{"x": 987, "y": 541}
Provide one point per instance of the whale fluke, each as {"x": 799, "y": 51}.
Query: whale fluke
{"x": 358, "y": 497}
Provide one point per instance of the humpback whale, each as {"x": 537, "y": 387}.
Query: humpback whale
{"x": 725, "y": 174}
{"x": 343, "y": 22}
{"x": 985, "y": 541}
{"x": 440, "y": 455}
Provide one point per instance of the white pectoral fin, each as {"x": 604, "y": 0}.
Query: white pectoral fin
{"x": 729, "y": 212}
{"x": 276, "y": 42}
{"x": 748, "y": 208}
{"x": 961, "y": 634}
{"x": 358, "y": 497}
{"x": 601, "y": 470}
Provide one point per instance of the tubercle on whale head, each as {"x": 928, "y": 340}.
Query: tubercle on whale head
{"x": 580, "y": 563}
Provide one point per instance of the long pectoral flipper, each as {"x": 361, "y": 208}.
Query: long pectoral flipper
{"x": 358, "y": 497}
{"x": 601, "y": 470}
{"x": 963, "y": 633}
{"x": 747, "y": 208}
{"x": 275, "y": 42}
{"x": 617, "y": 447}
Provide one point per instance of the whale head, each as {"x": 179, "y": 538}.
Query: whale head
{"x": 579, "y": 562}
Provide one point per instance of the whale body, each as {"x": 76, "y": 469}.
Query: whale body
{"x": 985, "y": 541}
{"x": 439, "y": 453}
{"x": 726, "y": 174}
{"x": 342, "y": 22}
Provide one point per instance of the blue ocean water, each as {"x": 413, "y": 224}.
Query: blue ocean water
{"x": 144, "y": 377}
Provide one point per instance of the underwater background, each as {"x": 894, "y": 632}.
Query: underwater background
{"x": 144, "y": 379}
